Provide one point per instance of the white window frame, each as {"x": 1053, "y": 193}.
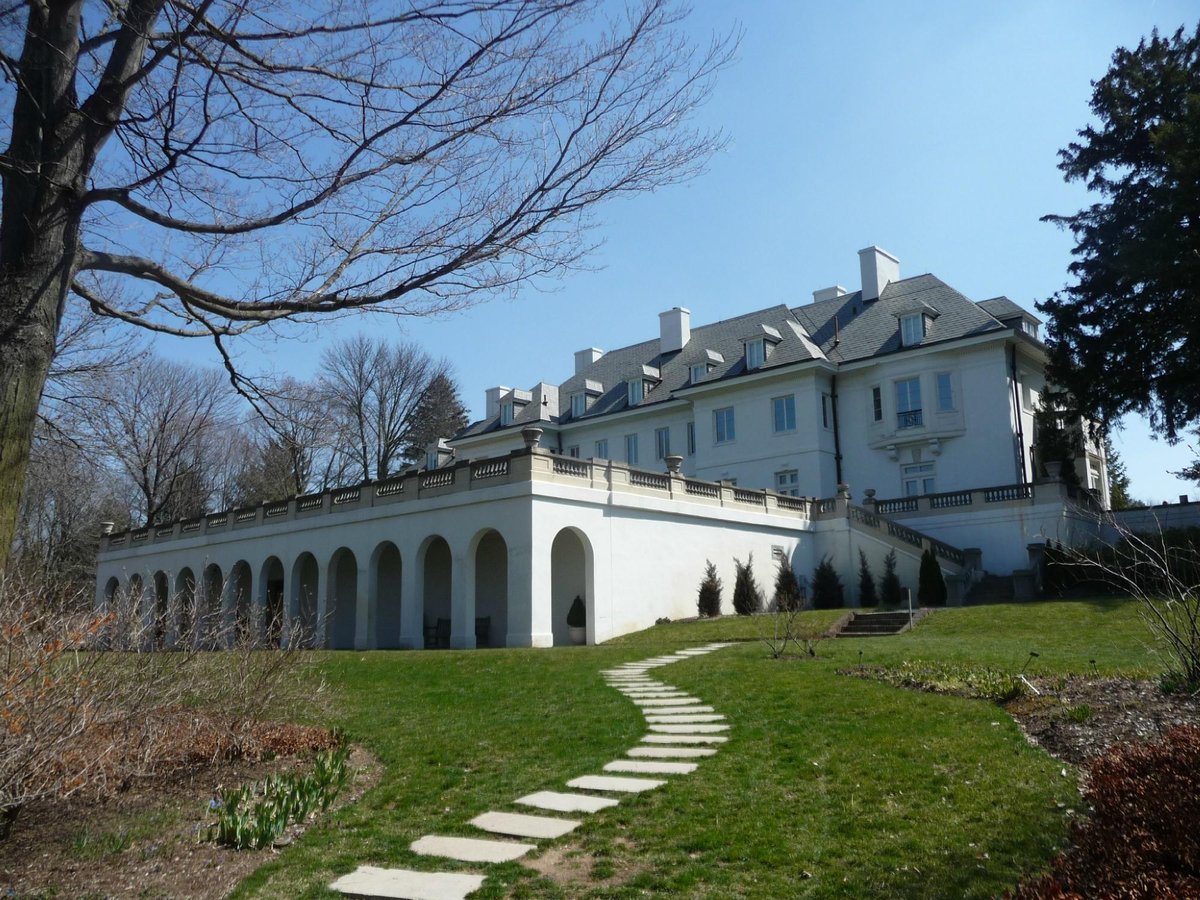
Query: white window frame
{"x": 662, "y": 442}
{"x": 918, "y": 479}
{"x": 912, "y": 329}
{"x": 579, "y": 403}
{"x": 573, "y": 451}
{"x": 944, "y": 388}
{"x": 908, "y": 413}
{"x": 698, "y": 371}
{"x": 631, "y": 449}
{"x": 724, "y": 425}
{"x": 787, "y": 482}
{"x": 756, "y": 353}
{"x": 602, "y": 448}
{"x": 783, "y": 409}
{"x": 637, "y": 392}
{"x": 508, "y": 413}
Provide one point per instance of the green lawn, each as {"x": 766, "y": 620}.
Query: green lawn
{"x": 829, "y": 787}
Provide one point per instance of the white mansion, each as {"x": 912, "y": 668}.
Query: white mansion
{"x": 748, "y": 436}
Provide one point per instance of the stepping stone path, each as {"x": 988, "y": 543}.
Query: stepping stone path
{"x": 677, "y": 723}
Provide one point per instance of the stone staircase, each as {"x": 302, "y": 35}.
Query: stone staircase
{"x": 991, "y": 589}
{"x": 876, "y": 624}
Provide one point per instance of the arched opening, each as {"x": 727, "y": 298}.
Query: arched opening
{"x": 568, "y": 580}
{"x": 386, "y": 570}
{"x": 162, "y": 608}
{"x": 209, "y": 619}
{"x": 185, "y": 596}
{"x": 111, "y": 588}
{"x": 343, "y": 600}
{"x": 436, "y": 599}
{"x": 491, "y": 590}
{"x": 270, "y": 582}
{"x": 240, "y": 603}
{"x": 303, "y": 601}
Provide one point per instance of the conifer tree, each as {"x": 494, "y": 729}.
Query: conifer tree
{"x": 788, "y": 595}
{"x": 709, "y": 602}
{"x": 828, "y": 592}
{"x": 890, "y": 591}
{"x": 747, "y": 597}
{"x": 931, "y": 588}
{"x": 867, "y": 595}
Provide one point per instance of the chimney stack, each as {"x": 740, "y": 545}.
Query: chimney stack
{"x": 492, "y": 406}
{"x": 674, "y": 329}
{"x": 584, "y": 358}
{"x": 879, "y": 269}
{"x": 829, "y": 293}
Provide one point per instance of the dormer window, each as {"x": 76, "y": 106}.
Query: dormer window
{"x": 637, "y": 390}
{"x": 756, "y": 353}
{"x": 699, "y": 370}
{"x": 912, "y": 329}
{"x": 507, "y": 413}
{"x": 578, "y": 404}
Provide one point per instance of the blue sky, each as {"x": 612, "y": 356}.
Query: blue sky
{"x": 930, "y": 129}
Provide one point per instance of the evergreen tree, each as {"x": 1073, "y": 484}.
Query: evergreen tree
{"x": 867, "y": 595}
{"x": 709, "y": 602}
{"x": 1118, "y": 478}
{"x": 439, "y": 414}
{"x": 788, "y": 595}
{"x": 890, "y": 591}
{"x": 931, "y": 587}
{"x": 747, "y": 597}
{"x": 828, "y": 592}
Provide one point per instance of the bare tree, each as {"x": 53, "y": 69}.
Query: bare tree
{"x": 374, "y": 389}
{"x": 197, "y": 167}
{"x": 160, "y": 426}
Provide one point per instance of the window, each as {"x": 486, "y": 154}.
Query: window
{"x": 637, "y": 390}
{"x": 691, "y": 438}
{"x": 877, "y": 403}
{"x": 912, "y": 329}
{"x": 506, "y": 413}
{"x": 573, "y": 451}
{"x": 578, "y": 405}
{"x": 783, "y": 413}
{"x": 723, "y": 427}
{"x": 755, "y": 354}
{"x": 788, "y": 482}
{"x": 662, "y": 443}
{"x": 917, "y": 478}
{"x": 431, "y": 460}
{"x": 699, "y": 370}
{"x": 826, "y": 411}
{"x": 631, "y": 449}
{"x": 945, "y": 392}
{"x": 602, "y": 449}
{"x": 908, "y": 403}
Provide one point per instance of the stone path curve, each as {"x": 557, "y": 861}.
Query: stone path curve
{"x": 682, "y": 731}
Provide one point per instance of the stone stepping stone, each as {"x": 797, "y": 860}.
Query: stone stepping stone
{"x": 521, "y": 825}
{"x": 561, "y": 802}
{"x": 669, "y": 753}
{"x": 667, "y": 701}
{"x": 675, "y": 718}
{"x": 688, "y": 729}
{"x": 405, "y": 884}
{"x": 684, "y": 739}
{"x": 646, "y": 767}
{"x": 696, "y": 652}
{"x": 665, "y": 693}
{"x": 608, "y": 783}
{"x": 681, "y": 710}
{"x": 469, "y": 849}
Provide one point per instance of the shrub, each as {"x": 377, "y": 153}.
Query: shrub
{"x": 577, "y": 614}
{"x": 789, "y": 596}
{"x": 867, "y": 595}
{"x": 747, "y": 597}
{"x": 708, "y": 604}
{"x": 1141, "y": 839}
{"x": 828, "y": 592}
{"x": 931, "y": 586}
{"x": 891, "y": 595}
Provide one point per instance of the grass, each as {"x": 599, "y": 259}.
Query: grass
{"x": 829, "y": 786}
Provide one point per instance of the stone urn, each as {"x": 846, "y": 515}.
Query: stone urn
{"x": 1053, "y": 469}
{"x": 531, "y": 434}
{"x": 674, "y": 463}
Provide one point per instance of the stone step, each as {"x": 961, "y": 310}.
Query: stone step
{"x": 684, "y": 739}
{"x": 667, "y": 701}
{"x": 689, "y": 728}
{"x": 609, "y": 783}
{"x": 469, "y": 849}
{"x": 684, "y": 718}
{"x": 647, "y": 767}
{"x": 678, "y": 710}
{"x": 671, "y": 752}
{"x": 557, "y": 801}
{"x": 524, "y": 826}
{"x": 405, "y": 884}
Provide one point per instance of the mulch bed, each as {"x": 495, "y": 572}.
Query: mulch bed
{"x": 141, "y": 837}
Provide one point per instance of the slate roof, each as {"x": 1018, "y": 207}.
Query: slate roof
{"x": 840, "y": 330}
{"x": 1003, "y": 308}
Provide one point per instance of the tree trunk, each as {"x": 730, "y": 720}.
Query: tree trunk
{"x": 30, "y": 305}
